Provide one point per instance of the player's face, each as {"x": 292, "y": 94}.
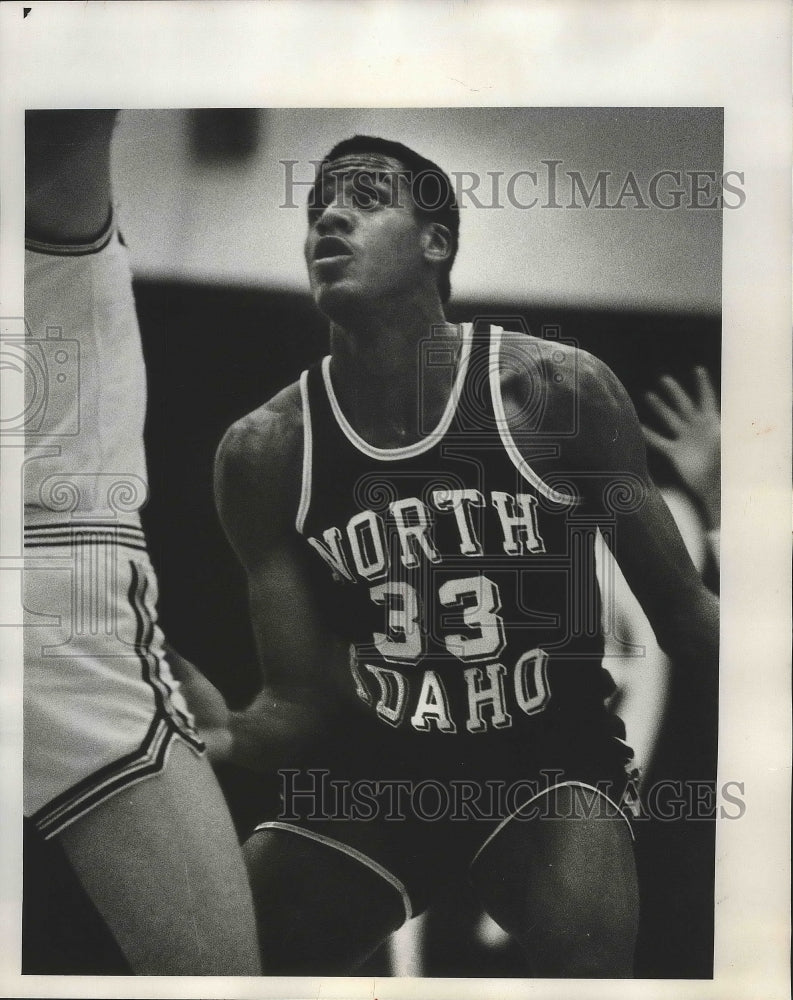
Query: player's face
{"x": 364, "y": 242}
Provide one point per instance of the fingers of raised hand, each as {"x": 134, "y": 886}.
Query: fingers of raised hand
{"x": 676, "y": 395}
{"x": 655, "y": 440}
{"x": 706, "y": 392}
{"x": 666, "y": 415}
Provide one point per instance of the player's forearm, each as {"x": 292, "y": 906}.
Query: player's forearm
{"x": 67, "y": 174}
{"x": 275, "y": 727}
{"x": 703, "y": 485}
{"x": 711, "y": 506}
{"x": 690, "y": 632}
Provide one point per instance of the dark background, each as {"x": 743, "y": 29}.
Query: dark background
{"x": 213, "y": 354}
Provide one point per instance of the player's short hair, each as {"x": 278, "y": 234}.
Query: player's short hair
{"x": 430, "y": 189}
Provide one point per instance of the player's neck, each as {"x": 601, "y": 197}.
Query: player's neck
{"x": 384, "y": 381}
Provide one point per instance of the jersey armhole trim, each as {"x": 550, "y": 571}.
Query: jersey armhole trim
{"x": 305, "y": 488}
{"x": 505, "y": 434}
{"x": 79, "y": 249}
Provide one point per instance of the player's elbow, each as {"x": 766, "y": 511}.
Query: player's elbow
{"x": 689, "y": 633}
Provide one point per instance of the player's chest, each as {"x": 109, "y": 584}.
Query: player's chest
{"x": 381, "y": 531}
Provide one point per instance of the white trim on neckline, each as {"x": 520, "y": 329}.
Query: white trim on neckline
{"x": 424, "y": 443}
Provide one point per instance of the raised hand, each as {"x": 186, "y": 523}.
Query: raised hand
{"x": 689, "y": 436}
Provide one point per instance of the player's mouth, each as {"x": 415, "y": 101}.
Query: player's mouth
{"x": 330, "y": 248}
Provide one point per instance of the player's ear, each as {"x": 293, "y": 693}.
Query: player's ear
{"x": 436, "y": 241}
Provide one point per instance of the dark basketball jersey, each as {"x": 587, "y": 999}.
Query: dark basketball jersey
{"x": 464, "y": 584}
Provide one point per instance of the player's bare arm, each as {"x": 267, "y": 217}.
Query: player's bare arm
{"x": 304, "y": 666}
{"x": 606, "y": 462}
{"x": 67, "y": 174}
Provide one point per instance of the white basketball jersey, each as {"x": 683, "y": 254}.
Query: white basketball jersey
{"x": 85, "y": 393}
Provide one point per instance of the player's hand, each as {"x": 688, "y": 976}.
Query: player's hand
{"x": 278, "y": 725}
{"x": 690, "y": 438}
{"x": 209, "y": 708}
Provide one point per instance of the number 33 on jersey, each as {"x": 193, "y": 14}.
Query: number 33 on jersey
{"x": 466, "y": 590}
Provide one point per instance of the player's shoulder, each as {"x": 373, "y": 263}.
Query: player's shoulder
{"x": 265, "y": 440}
{"x": 559, "y": 371}
{"x": 564, "y": 393}
{"x": 258, "y": 472}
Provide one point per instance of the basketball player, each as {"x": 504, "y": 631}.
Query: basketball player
{"x": 115, "y": 775}
{"x": 416, "y": 519}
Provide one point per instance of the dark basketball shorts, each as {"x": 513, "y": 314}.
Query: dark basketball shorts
{"x": 419, "y": 818}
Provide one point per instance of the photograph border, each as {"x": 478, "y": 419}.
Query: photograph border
{"x": 729, "y": 53}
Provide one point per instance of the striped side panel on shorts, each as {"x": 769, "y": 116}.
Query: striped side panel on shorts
{"x": 148, "y": 758}
{"x": 85, "y": 533}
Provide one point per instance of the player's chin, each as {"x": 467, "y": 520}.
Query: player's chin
{"x": 338, "y": 300}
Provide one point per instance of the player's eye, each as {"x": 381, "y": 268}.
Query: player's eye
{"x": 372, "y": 190}
{"x": 362, "y": 191}
{"x": 365, "y": 200}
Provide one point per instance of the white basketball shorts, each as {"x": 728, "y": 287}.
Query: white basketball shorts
{"x": 101, "y": 707}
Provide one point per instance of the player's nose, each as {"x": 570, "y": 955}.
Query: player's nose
{"x": 336, "y": 217}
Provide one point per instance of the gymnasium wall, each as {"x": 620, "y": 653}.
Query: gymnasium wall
{"x": 206, "y": 197}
